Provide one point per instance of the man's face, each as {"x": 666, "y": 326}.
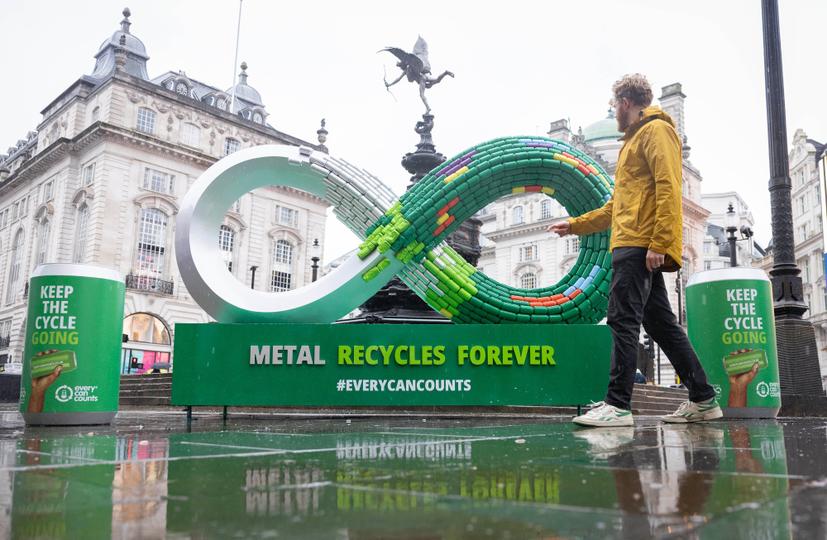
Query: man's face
{"x": 622, "y": 106}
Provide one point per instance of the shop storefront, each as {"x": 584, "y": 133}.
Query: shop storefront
{"x": 148, "y": 349}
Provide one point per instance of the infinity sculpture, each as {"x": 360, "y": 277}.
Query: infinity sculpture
{"x": 404, "y": 237}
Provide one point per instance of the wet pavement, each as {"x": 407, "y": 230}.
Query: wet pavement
{"x": 150, "y": 476}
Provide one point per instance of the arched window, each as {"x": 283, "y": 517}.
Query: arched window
{"x": 44, "y": 229}
{"x": 222, "y": 104}
{"x": 517, "y": 215}
{"x": 81, "y": 228}
{"x": 528, "y": 280}
{"x": 14, "y": 266}
{"x": 148, "y": 349}
{"x": 231, "y": 145}
{"x": 545, "y": 209}
{"x": 146, "y": 120}
{"x": 257, "y": 118}
{"x": 281, "y": 274}
{"x": 146, "y": 328}
{"x": 96, "y": 112}
{"x": 152, "y": 236}
{"x": 226, "y": 243}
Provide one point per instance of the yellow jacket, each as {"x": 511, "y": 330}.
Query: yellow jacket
{"x": 646, "y": 207}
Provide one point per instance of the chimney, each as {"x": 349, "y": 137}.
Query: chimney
{"x": 671, "y": 101}
{"x": 559, "y": 130}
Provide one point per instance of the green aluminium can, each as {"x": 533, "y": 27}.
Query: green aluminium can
{"x": 731, "y": 325}
{"x": 71, "y": 363}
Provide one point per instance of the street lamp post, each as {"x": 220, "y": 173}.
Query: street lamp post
{"x": 797, "y": 350}
{"x": 731, "y": 229}
{"x": 315, "y": 249}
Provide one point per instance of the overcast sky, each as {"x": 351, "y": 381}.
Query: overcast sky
{"x": 518, "y": 67}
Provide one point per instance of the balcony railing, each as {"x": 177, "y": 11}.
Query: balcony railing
{"x": 148, "y": 283}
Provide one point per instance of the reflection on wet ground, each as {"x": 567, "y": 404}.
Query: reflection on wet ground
{"x": 149, "y": 476}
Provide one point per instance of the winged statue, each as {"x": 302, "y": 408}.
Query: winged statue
{"x": 416, "y": 67}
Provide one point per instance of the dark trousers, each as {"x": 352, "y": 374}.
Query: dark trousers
{"x": 639, "y": 296}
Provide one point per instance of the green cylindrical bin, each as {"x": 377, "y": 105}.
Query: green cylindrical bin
{"x": 71, "y": 363}
{"x": 731, "y": 324}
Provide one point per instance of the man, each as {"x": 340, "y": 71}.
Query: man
{"x": 645, "y": 215}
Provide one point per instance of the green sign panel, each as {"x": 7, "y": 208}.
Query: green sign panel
{"x": 731, "y": 325}
{"x": 321, "y": 364}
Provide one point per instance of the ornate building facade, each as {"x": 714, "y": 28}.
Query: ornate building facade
{"x": 100, "y": 182}
{"x": 518, "y": 251}
{"x": 808, "y": 166}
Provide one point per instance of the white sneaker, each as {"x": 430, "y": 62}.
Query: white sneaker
{"x": 604, "y": 415}
{"x": 689, "y": 411}
{"x": 605, "y": 442}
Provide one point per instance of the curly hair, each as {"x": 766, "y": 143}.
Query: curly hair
{"x": 634, "y": 87}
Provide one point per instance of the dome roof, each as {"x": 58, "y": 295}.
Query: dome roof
{"x": 602, "y": 129}
{"x": 243, "y": 90}
{"x": 131, "y": 43}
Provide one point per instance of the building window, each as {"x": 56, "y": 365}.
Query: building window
{"x": 257, "y": 118}
{"x": 528, "y": 281}
{"x": 4, "y": 218}
{"x": 96, "y": 112}
{"x": 48, "y": 191}
{"x": 14, "y": 209}
{"x": 545, "y": 209}
{"x": 222, "y": 104}
{"x": 5, "y": 333}
{"x": 191, "y": 134}
{"x": 572, "y": 245}
{"x": 287, "y": 216}
{"x": 707, "y": 265}
{"x": 24, "y": 207}
{"x": 43, "y": 230}
{"x": 528, "y": 253}
{"x": 281, "y": 278}
{"x": 146, "y": 120}
{"x": 226, "y": 242}
{"x": 805, "y": 269}
{"x": 152, "y": 237}
{"x": 87, "y": 176}
{"x": 231, "y": 145}
{"x": 81, "y": 226}
{"x": 517, "y": 215}
{"x": 14, "y": 266}
{"x": 145, "y": 328}
{"x": 159, "y": 181}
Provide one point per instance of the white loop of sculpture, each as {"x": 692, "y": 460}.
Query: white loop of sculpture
{"x": 358, "y": 199}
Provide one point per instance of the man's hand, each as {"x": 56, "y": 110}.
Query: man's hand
{"x": 561, "y": 228}
{"x": 654, "y": 260}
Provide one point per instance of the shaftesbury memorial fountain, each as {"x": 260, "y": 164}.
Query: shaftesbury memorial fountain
{"x": 396, "y": 303}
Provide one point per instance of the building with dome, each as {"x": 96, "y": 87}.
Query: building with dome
{"x": 518, "y": 251}
{"x": 100, "y": 180}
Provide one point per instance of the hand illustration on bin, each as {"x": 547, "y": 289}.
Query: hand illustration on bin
{"x": 46, "y": 368}
{"x": 742, "y": 366}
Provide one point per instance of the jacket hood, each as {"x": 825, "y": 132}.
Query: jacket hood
{"x": 652, "y": 112}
